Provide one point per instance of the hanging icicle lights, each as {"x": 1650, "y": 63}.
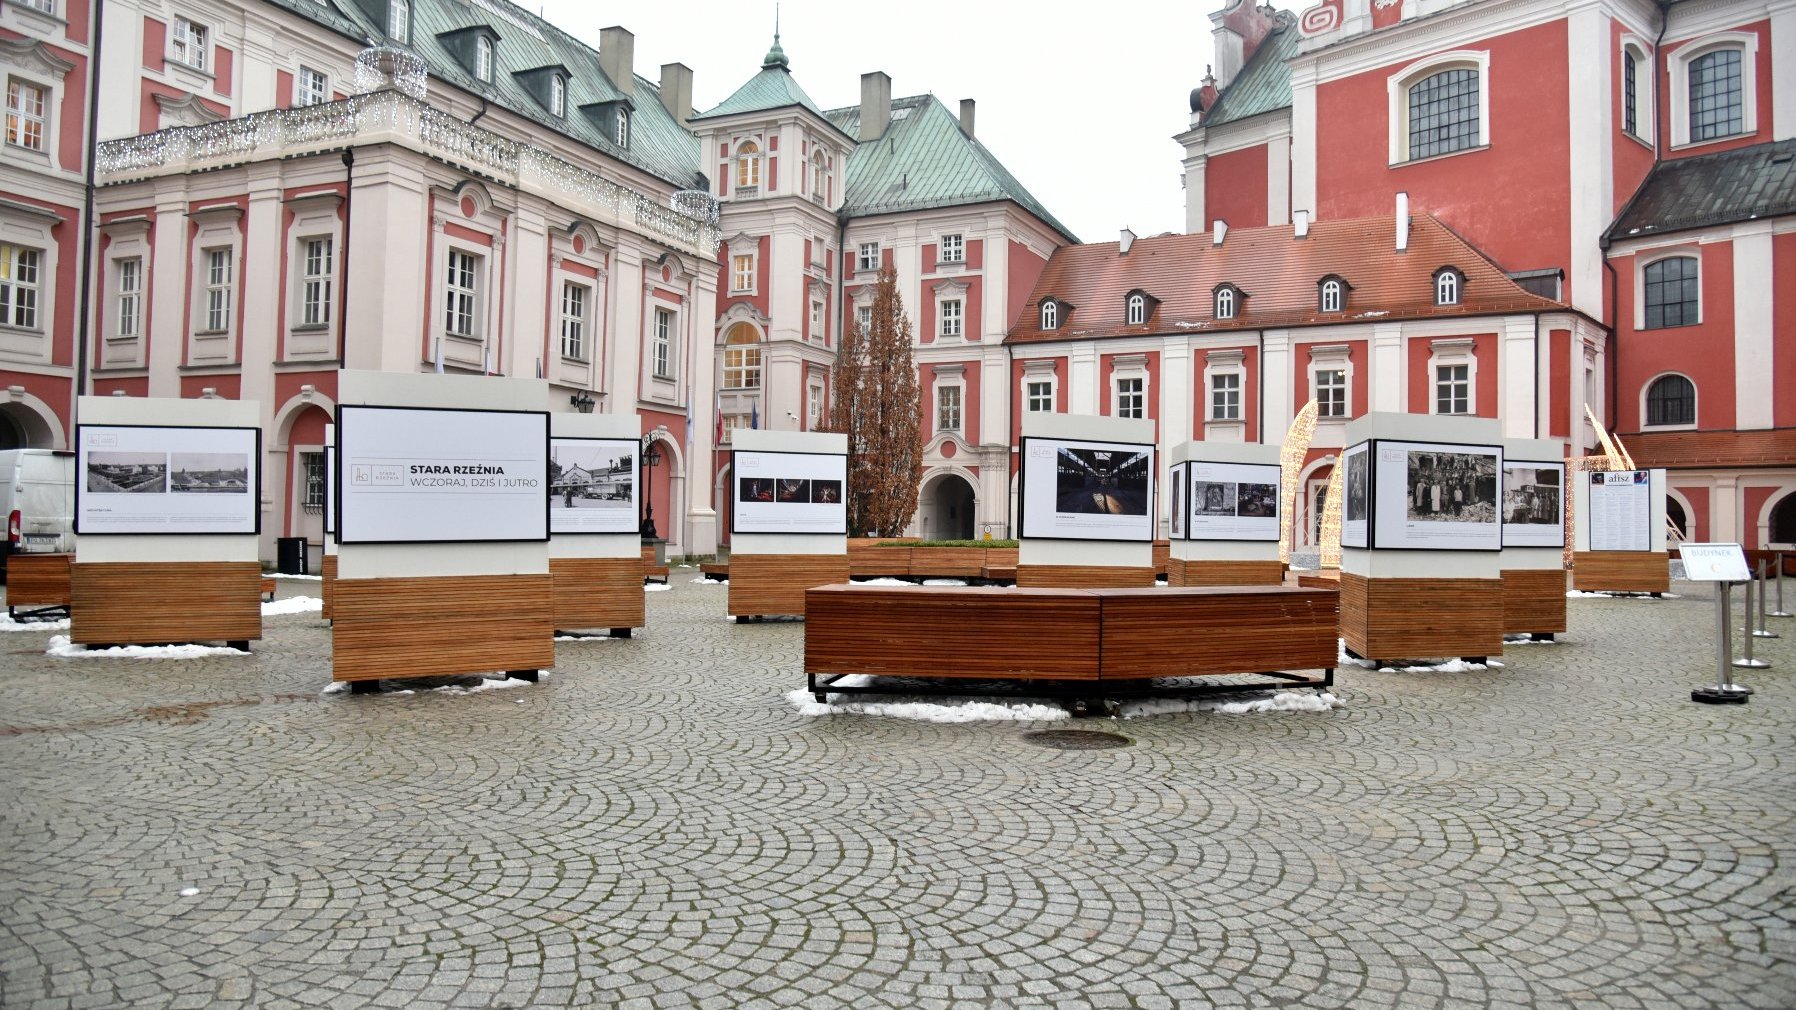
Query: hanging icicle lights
{"x": 1290, "y": 461}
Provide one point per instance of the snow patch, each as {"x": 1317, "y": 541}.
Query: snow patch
{"x": 656, "y": 587}
{"x": 302, "y": 578}
{"x": 915, "y": 709}
{"x": 488, "y": 684}
{"x": 1445, "y": 666}
{"x": 292, "y": 605}
{"x": 1579, "y": 594}
{"x": 704, "y": 580}
{"x": 8, "y": 624}
{"x": 886, "y": 581}
{"x": 944, "y": 582}
{"x": 61, "y": 647}
{"x": 586, "y": 638}
{"x": 1283, "y": 701}
{"x": 1509, "y": 640}
{"x": 188, "y": 892}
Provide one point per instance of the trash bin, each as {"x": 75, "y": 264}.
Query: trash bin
{"x": 290, "y": 555}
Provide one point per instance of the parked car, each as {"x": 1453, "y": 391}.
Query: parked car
{"x": 37, "y": 496}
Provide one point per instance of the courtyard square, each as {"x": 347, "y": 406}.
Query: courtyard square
{"x": 656, "y": 824}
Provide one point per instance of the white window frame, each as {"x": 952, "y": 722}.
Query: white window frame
{"x": 463, "y": 300}
{"x": 1226, "y": 303}
{"x": 664, "y": 325}
{"x": 959, "y": 243}
{"x": 1050, "y": 314}
{"x": 816, "y": 330}
{"x": 129, "y": 240}
{"x": 1332, "y": 358}
{"x": 218, "y": 289}
{"x": 1037, "y": 392}
{"x": 399, "y": 21}
{"x": 483, "y": 59}
{"x": 1679, "y": 94}
{"x": 127, "y": 299}
{"x": 557, "y": 96}
{"x": 730, "y": 425}
{"x": 863, "y": 314}
{"x": 1135, "y": 310}
{"x": 28, "y": 230}
{"x": 1449, "y": 287}
{"x": 819, "y": 176}
{"x": 1397, "y": 92}
{"x": 746, "y": 163}
{"x": 1040, "y": 371}
{"x": 620, "y": 127}
{"x": 1224, "y": 398}
{"x": 953, "y": 318}
{"x": 1333, "y": 290}
{"x": 317, "y": 290}
{"x": 1219, "y": 363}
{"x": 19, "y": 120}
{"x": 1695, "y": 403}
{"x": 750, "y": 364}
{"x": 1130, "y": 369}
{"x": 742, "y": 273}
{"x": 14, "y": 289}
{"x": 1452, "y": 352}
{"x": 576, "y": 309}
{"x": 1645, "y": 260}
{"x": 185, "y": 34}
{"x": 814, "y": 404}
{"x": 40, "y": 6}
{"x": 1644, "y": 73}
{"x": 303, "y": 95}
{"x": 867, "y": 257}
{"x": 950, "y": 405}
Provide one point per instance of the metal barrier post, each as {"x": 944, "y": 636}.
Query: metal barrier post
{"x": 1780, "y": 611}
{"x": 1761, "y": 631}
{"x": 1725, "y": 691}
{"x": 1746, "y": 662}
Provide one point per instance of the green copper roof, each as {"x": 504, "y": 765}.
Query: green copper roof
{"x": 1264, "y": 84}
{"x": 772, "y": 88}
{"x": 924, "y": 160}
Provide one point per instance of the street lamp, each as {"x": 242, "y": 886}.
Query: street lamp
{"x": 650, "y": 456}
{"x": 581, "y": 401}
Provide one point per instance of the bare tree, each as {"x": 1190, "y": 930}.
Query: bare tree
{"x": 877, "y": 407}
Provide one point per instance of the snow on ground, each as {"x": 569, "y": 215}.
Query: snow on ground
{"x": 1160, "y": 582}
{"x": 1444, "y": 666}
{"x": 1243, "y": 704}
{"x": 465, "y": 686}
{"x": 302, "y": 578}
{"x": 1579, "y": 594}
{"x": 656, "y": 587}
{"x": 926, "y": 708}
{"x": 944, "y": 582}
{"x": 63, "y": 649}
{"x": 586, "y": 638}
{"x": 714, "y": 582}
{"x": 8, "y": 624}
{"x": 887, "y": 581}
{"x": 1509, "y": 640}
{"x": 292, "y": 605}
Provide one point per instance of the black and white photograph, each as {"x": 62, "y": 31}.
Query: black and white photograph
{"x": 1455, "y": 487}
{"x": 826, "y": 492}
{"x": 1213, "y": 498}
{"x": 1356, "y": 489}
{"x": 208, "y": 473}
{"x": 592, "y": 475}
{"x": 1101, "y": 482}
{"x": 127, "y": 472}
{"x": 1532, "y": 496}
{"x": 1256, "y": 501}
{"x": 1177, "y": 513}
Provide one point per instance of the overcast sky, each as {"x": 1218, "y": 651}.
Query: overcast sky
{"x": 1080, "y": 103}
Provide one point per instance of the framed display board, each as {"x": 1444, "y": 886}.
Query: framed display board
{"x": 330, "y": 490}
{"x": 592, "y": 485}
{"x": 419, "y": 475}
{"x": 1234, "y": 501}
{"x": 1714, "y": 562}
{"x": 789, "y": 492}
{"x": 1073, "y": 489}
{"x": 150, "y": 479}
{"x": 1533, "y": 503}
{"x": 1356, "y": 492}
{"x": 1621, "y": 510}
{"x": 1435, "y": 496}
{"x": 1179, "y": 478}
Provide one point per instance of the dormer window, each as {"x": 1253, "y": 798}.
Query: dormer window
{"x": 1137, "y": 309}
{"x": 557, "y": 95}
{"x": 748, "y": 165}
{"x": 1331, "y": 294}
{"x": 399, "y": 21}
{"x": 1449, "y": 284}
{"x": 620, "y": 128}
{"x": 1050, "y": 315}
{"x": 483, "y": 59}
{"x": 1228, "y": 301}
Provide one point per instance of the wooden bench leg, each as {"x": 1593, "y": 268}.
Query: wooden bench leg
{"x": 364, "y": 687}
{"x": 240, "y": 644}
{"x": 620, "y": 632}
{"x": 529, "y": 676}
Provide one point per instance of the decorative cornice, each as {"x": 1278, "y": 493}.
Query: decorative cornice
{"x": 33, "y": 54}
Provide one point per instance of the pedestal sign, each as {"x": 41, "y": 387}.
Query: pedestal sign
{"x": 1724, "y": 565}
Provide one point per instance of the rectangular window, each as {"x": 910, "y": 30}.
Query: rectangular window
{"x": 864, "y": 315}
{"x": 947, "y": 408}
{"x": 1225, "y": 396}
{"x": 573, "y": 321}
{"x": 315, "y": 283}
{"x": 461, "y": 294}
{"x": 953, "y": 249}
{"x": 400, "y": 24}
{"x": 661, "y": 346}
{"x": 1038, "y": 396}
{"x": 1452, "y": 389}
{"x": 19, "y": 285}
{"x": 24, "y": 114}
{"x": 732, "y": 422}
{"x": 42, "y": 6}
{"x": 311, "y": 88}
{"x": 1630, "y": 89}
{"x": 816, "y": 320}
{"x": 130, "y": 295}
{"x": 815, "y": 407}
{"x": 188, "y": 44}
{"x": 1130, "y": 400}
{"x": 313, "y": 464}
{"x": 742, "y": 272}
{"x": 1331, "y": 392}
{"x": 1671, "y": 296}
{"x": 951, "y": 321}
{"x": 1717, "y": 103}
{"x": 869, "y": 257}
{"x": 218, "y": 290}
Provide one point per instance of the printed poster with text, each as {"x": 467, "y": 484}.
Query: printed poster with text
{"x": 429, "y": 475}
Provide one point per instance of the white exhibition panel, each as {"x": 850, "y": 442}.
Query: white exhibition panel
{"x": 1533, "y": 503}
{"x": 1620, "y": 513}
{"x": 1080, "y": 489}
{"x": 1234, "y": 501}
{"x": 1356, "y": 494}
{"x": 432, "y": 475}
{"x": 1436, "y": 496}
{"x": 1178, "y": 486}
{"x": 788, "y": 492}
{"x": 593, "y": 487}
{"x": 155, "y": 479}
{"x": 623, "y": 542}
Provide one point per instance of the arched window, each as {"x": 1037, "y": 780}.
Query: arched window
{"x": 1674, "y": 511}
{"x": 742, "y": 358}
{"x": 1447, "y": 286}
{"x": 1137, "y": 309}
{"x": 1783, "y": 520}
{"x": 1332, "y": 295}
{"x": 1444, "y": 113}
{"x": 399, "y": 21}
{"x": 621, "y": 128}
{"x": 748, "y": 165}
{"x": 483, "y": 58}
{"x": 1670, "y": 292}
{"x": 819, "y": 176}
{"x": 1050, "y": 315}
{"x": 1225, "y": 302}
{"x": 1671, "y": 399}
{"x": 1717, "y": 95}
{"x": 557, "y": 95}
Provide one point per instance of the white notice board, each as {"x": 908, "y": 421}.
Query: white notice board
{"x": 1714, "y": 562}
{"x": 437, "y": 475}
{"x": 1621, "y": 513}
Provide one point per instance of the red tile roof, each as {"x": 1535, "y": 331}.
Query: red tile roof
{"x": 1708, "y": 450}
{"x": 1279, "y": 274}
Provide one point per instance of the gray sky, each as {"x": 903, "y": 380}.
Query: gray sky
{"x": 1079, "y": 106}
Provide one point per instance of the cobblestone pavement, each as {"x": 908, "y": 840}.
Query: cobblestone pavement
{"x": 655, "y": 826}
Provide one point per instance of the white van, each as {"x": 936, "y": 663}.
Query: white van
{"x": 37, "y": 497}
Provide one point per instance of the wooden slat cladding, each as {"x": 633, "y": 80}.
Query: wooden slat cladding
{"x": 767, "y": 584}
{"x": 650, "y": 569}
{"x": 1421, "y": 618}
{"x": 1687, "y": 450}
{"x": 1321, "y": 579}
{"x": 38, "y": 580}
{"x": 329, "y": 581}
{"x": 442, "y": 626}
{"x": 1621, "y": 571}
{"x": 1083, "y": 577}
{"x": 1183, "y": 572}
{"x": 117, "y": 603}
{"x": 869, "y": 560}
{"x": 1533, "y": 600}
{"x": 1161, "y": 556}
{"x": 977, "y": 631}
{"x": 597, "y": 593}
{"x": 1212, "y": 630}
{"x": 946, "y": 562}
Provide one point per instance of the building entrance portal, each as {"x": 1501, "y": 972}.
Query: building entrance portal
{"x": 951, "y": 509}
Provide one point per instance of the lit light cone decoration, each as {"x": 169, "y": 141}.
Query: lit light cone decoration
{"x": 1615, "y": 457}
{"x": 1331, "y": 521}
{"x": 1290, "y": 461}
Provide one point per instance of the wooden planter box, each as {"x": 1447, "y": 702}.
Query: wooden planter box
{"x": 37, "y": 580}
{"x": 443, "y": 625}
{"x": 1183, "y": 572}
{"x": 1533, "y": 601}
{"x": 1621, "y": 571}
{"x": 1084, "y": 577}
{"x": 1421, "y": 618}
{"x": 328, "y": 582}
{"x": 147, "y": 602}
{"x": 763, "y": 585}
{"x": 597, "y": 593}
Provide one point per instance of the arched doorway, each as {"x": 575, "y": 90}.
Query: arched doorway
{"x": 11, "y": 435}
{"x": 22, "y": 426}
{"x": 1674, "y": 511}
{"x": 1782, "y": 528}
{"x": 950, "y": 508}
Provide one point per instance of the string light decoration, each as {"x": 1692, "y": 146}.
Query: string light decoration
{"x": 1290, "y": 460}
{"x": 1615, "y": 456}
{"x": 380, "y": 67}
{"x": 1331, "y": 520}
{"x": 388, "y": 115}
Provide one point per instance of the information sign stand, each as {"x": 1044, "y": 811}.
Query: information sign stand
{"x": 1620, "y": 542}
{"x": 1085, "y": 502}
{"x": 1223, "y": 505}
{"x": 1533, "y": 516}
{"x": 1724, "y": 565}
{"x": 595, "y": 538}
{"x": 788, "y": 519}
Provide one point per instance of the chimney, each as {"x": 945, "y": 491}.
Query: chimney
{"x": 1218, "y": 229}
{"x": 617, "y": 57}
{"x": 1237, "y": 33}
{"x": 966, "y": 116}
{"x": 1300, "y": 219}
{"x": 1402, "y": 222}
{"x": 1128, "y": 239}
{"x": 876, "y": 105}
{"x": 676, "y": 90}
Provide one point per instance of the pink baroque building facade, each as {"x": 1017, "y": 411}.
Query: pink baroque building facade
{"x": 1627, "y": 160}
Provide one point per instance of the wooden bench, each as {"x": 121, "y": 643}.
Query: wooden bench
{"x": 1621, "y": 571}
{"x": 1193, "y": 572}
{"x": 1422, "y": 618}
{"x": 268, "y": 588}
{"x": 716, "y": 571}
{"x": 597, "y": 593}
{"x": 149, "y": 602}
{"x": 39, "y": 582}
{"x": 1083, "y": 576}
{"x": 441, "y": 626}
{"x": 650, "y": 569}
{"x": 1068, "y": 635}
{"x": 868, "y": 560}
{"x": 763, "y": 585}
